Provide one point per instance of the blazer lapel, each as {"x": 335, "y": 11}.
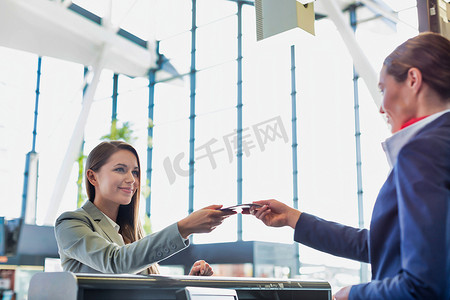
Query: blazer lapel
{"x": 108, "y": 230}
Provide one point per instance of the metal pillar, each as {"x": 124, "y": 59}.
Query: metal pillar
{"x": 38, "y": 83}
{"x": 363, "y": 269}
{"x": 114, "y": 104}
{"x": 239, "y": 119}
{"x": 192, "y": 112}
{"x": 114, "y": 134}
{"x": 151, "y": 104}
{"x": 32, "y": 155}
{"x": 294, "y": 150}
{"x": 81, "y": 157}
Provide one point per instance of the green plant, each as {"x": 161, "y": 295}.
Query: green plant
{"x": 124, "y": 133}
{"x": 147, "y": 225}
{"x": 81, "y": 196}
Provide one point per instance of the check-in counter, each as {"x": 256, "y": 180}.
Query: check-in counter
{"x": 78, "y": 286}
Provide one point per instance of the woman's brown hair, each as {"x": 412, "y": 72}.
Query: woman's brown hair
{"x": 128, "y": 216}
{"x": 430, "y": 53}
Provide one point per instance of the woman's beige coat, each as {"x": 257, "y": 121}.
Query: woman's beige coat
{"x": 88, "y": 243}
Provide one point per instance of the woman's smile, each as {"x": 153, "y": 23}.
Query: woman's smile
{"x": 128, "y": 190}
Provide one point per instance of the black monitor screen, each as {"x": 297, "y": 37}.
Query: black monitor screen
{"x": 9, "y": 236}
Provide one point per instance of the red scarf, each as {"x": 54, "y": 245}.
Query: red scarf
{"x": 412, "y": 121}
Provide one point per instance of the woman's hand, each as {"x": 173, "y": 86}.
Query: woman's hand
{"x": 275, "y": 213}
{"x": 203, "y": 221}
{"x": 201, "y": 268}
{"x": 342, "y": 294}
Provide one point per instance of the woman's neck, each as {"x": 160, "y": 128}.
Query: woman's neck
{"x": 108, "y": 208}
{"x": 430, "y": 102}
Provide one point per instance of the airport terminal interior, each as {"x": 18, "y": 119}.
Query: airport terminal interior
{"x": 226, "y": 102}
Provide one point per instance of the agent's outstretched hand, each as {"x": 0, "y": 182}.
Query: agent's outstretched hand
{"x": 203, "y": 221}
{"x": 343, "y": 293}
{"x": 275, "y": 213}
{"x": 201, "y": 268}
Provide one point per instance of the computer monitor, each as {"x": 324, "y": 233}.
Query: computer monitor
{"x": 201, "y": 293}
{"x": 9, "y": 236}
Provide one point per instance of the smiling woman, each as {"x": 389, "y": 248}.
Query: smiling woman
{"x": 107, "y": 171}
{"x": 117, "y": 180}
{"x": 105, "y": 235}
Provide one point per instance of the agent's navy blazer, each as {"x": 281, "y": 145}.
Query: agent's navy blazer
{"x": 88, "y": 243}
{"x": 408, "y": 245}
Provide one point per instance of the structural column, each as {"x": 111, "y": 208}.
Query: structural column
{"x": 239, "y": 119}
{"x": 81, "y": 156}
{"x": 114, "y": 106}
{"x": 151, "y": 105}
{"x": 31, "y": 164}
{"x": 294, "y": 150}
{"x": 360, "y": 60}
{"x": 192, "y": 107}
{"x": 363, "y": 268}
{"x": 75, "y": 142}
